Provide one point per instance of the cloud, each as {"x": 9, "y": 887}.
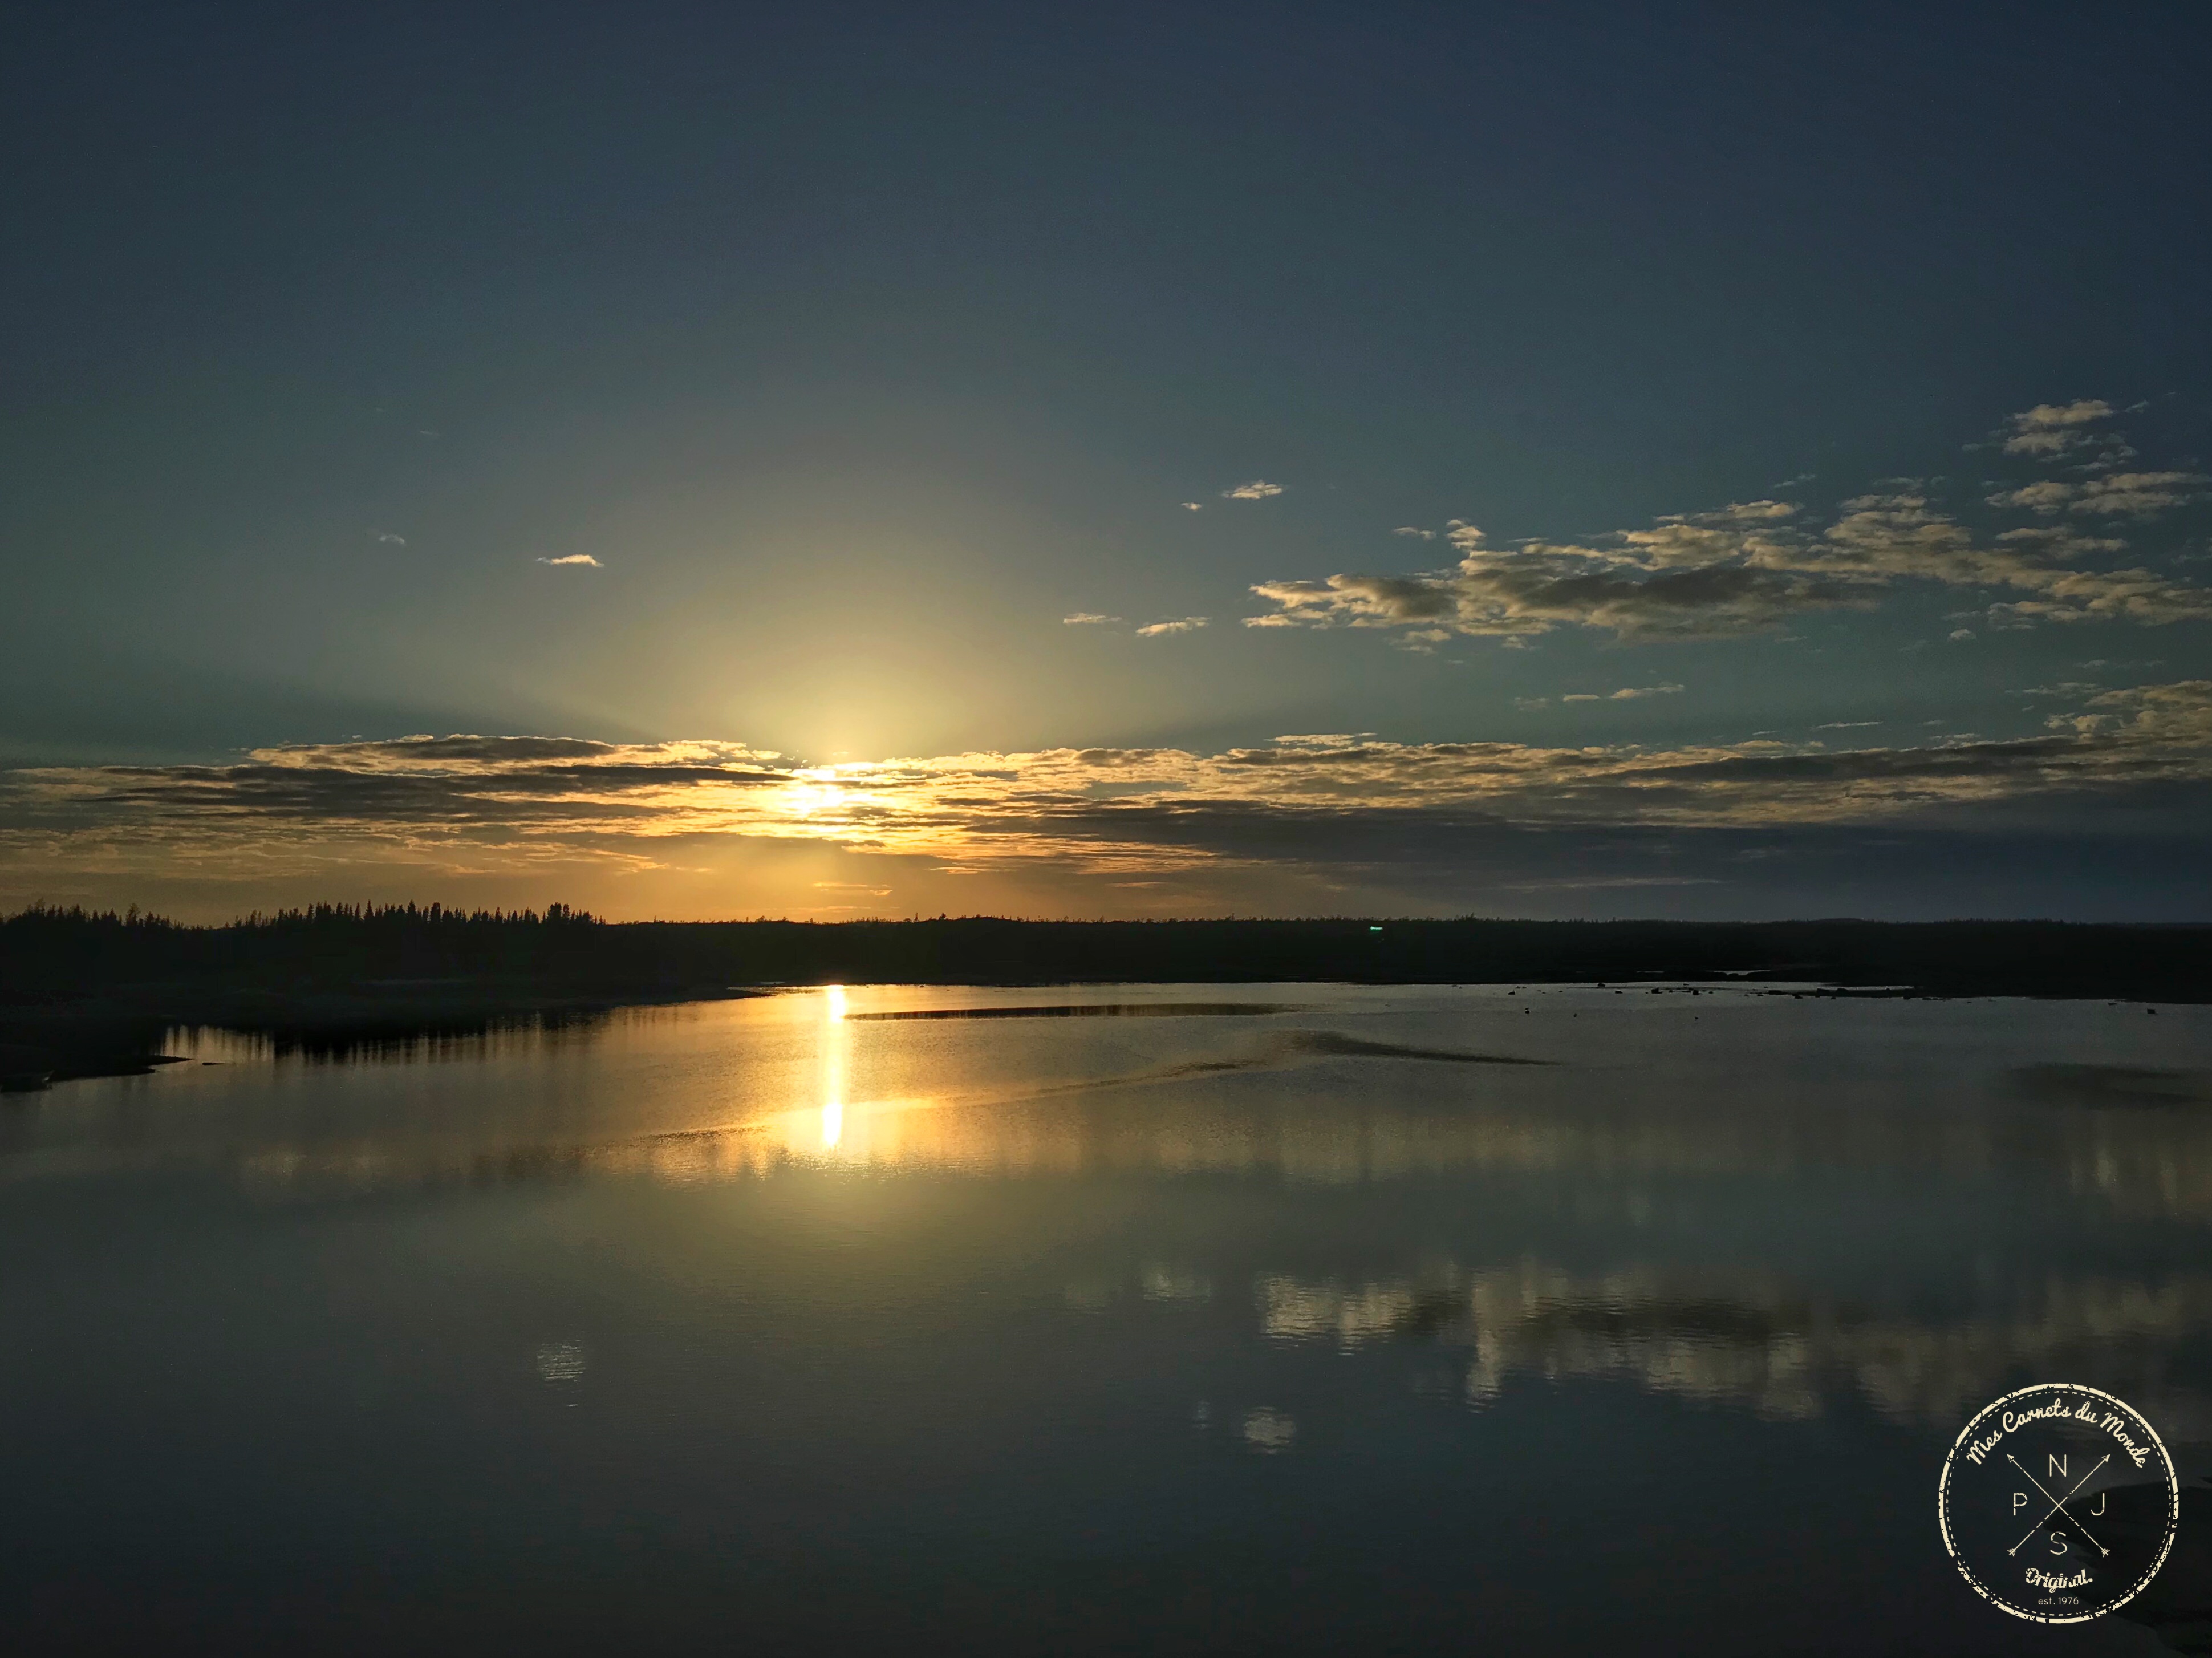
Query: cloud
{"x": 1414, "y": 531}
{"x": 2053, "y": 428}
{"x": 573, "y": 558}
{"x": 1530, "y": 704}
{"x": 1627, "y": 694}
{"x": 1087, "y": 619}
{"x": 1684, "y": 579}
{"x": 1755, "y": 566}
{"x": 1258, "y": 489}
{"x": 2045, "y": 495}
{"x": 2139, "y": 493}
{"x": 1959, "y": 634}
{"x": 388, "y": 539}
{"x": 2060, "y": 541}
{"x": 1192, "y": 507}
{"x": 1846, "y": 724}
{"x": 1187, "y": 624}
{"x": 510, "y": 804}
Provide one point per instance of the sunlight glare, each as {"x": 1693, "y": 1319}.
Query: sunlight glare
{"x": 836, "y": 1035}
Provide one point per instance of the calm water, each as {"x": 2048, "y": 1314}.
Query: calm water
{"x": 764, "y": 1325}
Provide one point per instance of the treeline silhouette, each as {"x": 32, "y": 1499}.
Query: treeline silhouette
{"x": 51, "y": 955}
{"x": 48, "y": 950}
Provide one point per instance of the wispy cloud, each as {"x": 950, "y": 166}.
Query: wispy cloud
{"x": 2114, "y": 495}
{"x": 1258, "y": 489}
{"x": 2139, "y": 493}
{"x": 573, "y": 558}
{"x": 388, "y": 539}
{"x": 2045, "y": 495}
{"x": 509, "y": 802}
{"x": 1087, "y": 619}
{"x": 1719, "y": 574}
{"x": 1185, "y": 624}
{"x": 2053, "y": 428}
{"x": 1415, "y": 532}
{"x": 1627, "y": 694}
{"x": 1755, "y": 566}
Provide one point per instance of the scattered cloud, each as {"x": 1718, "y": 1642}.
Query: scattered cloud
{"x": 1087, "y": 619}
{"x": 1192, "y": 507}
{"x": 1530, "y": 704}
{"x": 1626, "y": 693}
{"x": 1187, "y": 624}
{"x": 388, "y": 539}
{"x": 1847, "y": 724}
{"x": 1684, "y": 579}
{"x": 2113, "y": 495}
{"x": 2053, "y": 428}
{"x": 2045, "y": 495}
{"x": 1414, "y": 531}
{"x": 2139, "y": 493}
{"x": 1756, "y": 565}
{"x": 2056, "y": 543}
{"x": 508, "y": 804}
{"x": 573, "y": 558}
{"x": 1958, "y": 634}
{"x": 1258, "y": 489}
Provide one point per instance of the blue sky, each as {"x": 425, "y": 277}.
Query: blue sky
{"x": 780, "y": 379}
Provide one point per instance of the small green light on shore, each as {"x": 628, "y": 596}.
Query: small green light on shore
{"x": 1374, "y": 929}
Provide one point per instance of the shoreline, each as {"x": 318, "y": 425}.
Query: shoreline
{"x": 120, "y": 1033}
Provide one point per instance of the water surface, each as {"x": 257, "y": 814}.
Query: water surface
{"x": 1281, "y": 1319}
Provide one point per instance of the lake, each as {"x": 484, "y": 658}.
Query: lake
{"x": 1179, "y": 1318}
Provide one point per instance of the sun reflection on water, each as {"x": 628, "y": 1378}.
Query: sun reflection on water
{"x": 835, "y": 1037}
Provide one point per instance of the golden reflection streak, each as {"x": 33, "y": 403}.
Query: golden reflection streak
{"x": 837, "y": 1036}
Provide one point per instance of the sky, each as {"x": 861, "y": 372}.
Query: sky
{"x": 839, "y": 460}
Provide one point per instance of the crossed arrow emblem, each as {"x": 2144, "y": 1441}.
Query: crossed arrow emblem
{"x": 2058, "y": 1504}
